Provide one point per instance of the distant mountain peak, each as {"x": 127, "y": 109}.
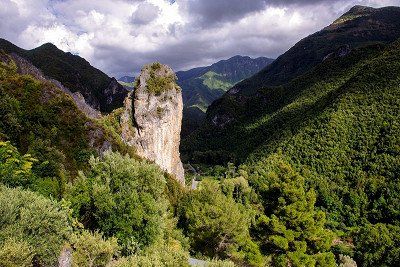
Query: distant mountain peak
{"x": 49, "y": 46}
{"x": 238, "y": 57}
{"x": 201, "y": 86}
{"x": 127, "y": 79}
{"x": 357, "y": 9}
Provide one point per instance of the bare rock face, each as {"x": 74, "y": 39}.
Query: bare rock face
{"x": 65, "y": 259}
{"x": 152, "y": 118}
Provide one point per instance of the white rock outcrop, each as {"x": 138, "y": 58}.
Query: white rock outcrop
{"x": 152, "y": 118}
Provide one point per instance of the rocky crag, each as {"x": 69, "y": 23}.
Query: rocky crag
{"x": 152, "y": 118}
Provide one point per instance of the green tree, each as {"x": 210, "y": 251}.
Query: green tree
{"x": 217, "y": 226}
{"x": 29, "y": 172}
{"x": 39, "y": 223}
{"x": 291, "y": 230}
{"x": 378, "y": 245}
{"x": 15, "y": 169}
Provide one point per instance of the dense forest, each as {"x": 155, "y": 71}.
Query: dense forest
{"x": 336, "y": 126}
{"x": 307, "y": 173}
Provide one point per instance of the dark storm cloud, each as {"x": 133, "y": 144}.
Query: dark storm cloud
{"x": 292, "y": 2}
{"x": 211, "y": 12}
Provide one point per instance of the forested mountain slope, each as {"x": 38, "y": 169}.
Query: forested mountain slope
{"x": 71, "y": 190}
{"x": 201, "y": 86}
{"x": 339, "y": 123}
{"x": 358, "y": 27}
{"x": 75, "y": 73}
{"x": 40, "y": 119}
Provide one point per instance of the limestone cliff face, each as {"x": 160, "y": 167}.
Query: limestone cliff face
{"x": 152, "y": 118}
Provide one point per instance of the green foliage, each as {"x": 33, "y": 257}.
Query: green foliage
{"x": 40, "y": 223}
{"x": 338, "y": 125}
{"x": 112, "y": 122}
{"x": 215, "y": 81}
{"x": 219, "y": 263}
{"x": 291, "y": 230}
{"x": 174, "y": 191}
{"x": 92, "y": 250}
{"x": 15, "y": 170}
{"x": 72, "y": 71}
{"x": 15, "y": 253}
{"x": 41, "y": 120}
{"x": 122, "y": 197}
{"x": 378, "y": 245}
{"x": 130, "y": 85}
{"x": 159, "y": 81}
{"x": 216, "y": 225}
{"x": 48, "y": 124}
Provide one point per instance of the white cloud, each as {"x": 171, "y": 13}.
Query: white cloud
{"x": 119, "y": 36}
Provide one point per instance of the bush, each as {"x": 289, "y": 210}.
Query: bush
{"x": 42, "y": 224}
{"x": 159, "y": 83}
{"x": 15, "y": 254}
{"x": 122, "y": 197}
{"x": 15, "y": 170}
{"x": 90, "y": 249}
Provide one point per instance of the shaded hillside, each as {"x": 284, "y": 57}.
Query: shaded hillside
{"x": 75, "y": 73}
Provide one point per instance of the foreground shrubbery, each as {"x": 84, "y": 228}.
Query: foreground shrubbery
{"x": 123, "y": 197}
{"x": 119, "y": 196}
{"x": 31, "y": 227}
{"x": 217, "y": 226}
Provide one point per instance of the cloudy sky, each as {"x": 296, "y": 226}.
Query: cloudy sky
{"x": 119, "y": 36}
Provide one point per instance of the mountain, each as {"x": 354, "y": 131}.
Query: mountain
{"x": 337, "y": 123}
{"x": 127, "y": 82}
{"x": 299, "y": 172}
{"x": 254, "y": 97}
{"x": 40, "y": 117}
{"x": 127, "y": 79}
{"x": 202, "y": 85}
{"x": 358, "y": 27}
{"x": 75, "y": 73}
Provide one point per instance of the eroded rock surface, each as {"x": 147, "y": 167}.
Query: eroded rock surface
{"x": 152, "y": 118}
